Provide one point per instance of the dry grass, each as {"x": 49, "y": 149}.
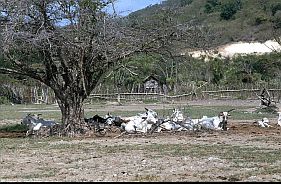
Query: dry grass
{"x": 244, "y": 153}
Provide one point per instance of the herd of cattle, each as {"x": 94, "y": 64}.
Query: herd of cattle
{"x": 147, "y": 122}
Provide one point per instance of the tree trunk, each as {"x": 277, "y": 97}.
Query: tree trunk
{"x": 72, "y": 114}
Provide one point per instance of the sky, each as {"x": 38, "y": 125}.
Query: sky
{"x": 125, "y": 7}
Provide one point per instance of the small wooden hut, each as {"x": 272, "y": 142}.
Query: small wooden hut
{"x": 151, "y": 84}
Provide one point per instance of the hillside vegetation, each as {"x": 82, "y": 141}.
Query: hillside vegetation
{"x": 234, "y": 20}
{"x": 218, "y": 22}
{"x": 225, "y": 21}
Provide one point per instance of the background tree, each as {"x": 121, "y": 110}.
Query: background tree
{"x": 69, "y": 46}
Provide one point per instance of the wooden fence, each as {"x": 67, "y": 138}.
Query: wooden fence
{"x": 42, "y": 94}
{"x": 218, "y": 94}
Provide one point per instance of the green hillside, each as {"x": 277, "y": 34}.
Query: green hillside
{"x": 232, "y": 20}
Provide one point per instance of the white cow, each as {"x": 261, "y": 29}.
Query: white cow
{"x": 210, "y": 123}
{"x": 217, "y": 122}
{"x": 177, "y": 115}
{"x": 263, "y": 123}
{"x": 174, "y": 122}
{"x": 35, "y": 123}
{"x": 140, "y": 123}
{"x": 169, "y": 125}
{"x": 177, "y": 122}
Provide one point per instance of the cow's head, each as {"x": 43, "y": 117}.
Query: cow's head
{"x": 177, "y": 115}
{"x": 223, "y": 116}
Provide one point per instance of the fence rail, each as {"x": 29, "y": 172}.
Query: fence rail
{"x": 218, "y": 94}
{"x": 42, "y": 94}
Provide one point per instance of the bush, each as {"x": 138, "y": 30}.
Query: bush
{"x": 14, "y": 128}
{"x": 277, "y": 20}
{"x": 275, "y": 8}
{"x": 229, "y": 9}
{"x": 211, "y": 5}
{"x": 259, "y": 20}
{"x": 3, "y": 100}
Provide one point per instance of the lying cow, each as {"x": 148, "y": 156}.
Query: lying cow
{"x": 176, "y": 122}
{"x": 35, "y": 123}
{"x": 97, "y": 123}
{"x": 263, "y": 123}
{"x": 217, "y": 122}
{"x": 140, "y": 123}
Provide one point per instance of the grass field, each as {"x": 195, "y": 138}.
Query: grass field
{"x": 244, "y": 153}
{"x": 249, "y": 112}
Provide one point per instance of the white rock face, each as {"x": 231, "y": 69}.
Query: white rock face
{"x": 241, "y": 48}
{"x": 249, "y": 48}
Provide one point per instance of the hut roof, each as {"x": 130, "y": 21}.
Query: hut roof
{"x": 149, "y": 78}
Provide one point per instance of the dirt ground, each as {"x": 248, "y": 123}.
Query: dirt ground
{"x": 234, "y": 155}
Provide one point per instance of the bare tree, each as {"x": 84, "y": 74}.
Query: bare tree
{"x": 68, "y": 45}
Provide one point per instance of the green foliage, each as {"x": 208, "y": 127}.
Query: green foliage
{"x": 92, "y": 5}
{"x": 211, "y": 5}
{"x": 217, "y": 67}
{"x": 177, "y": 3}
{"x": 4, "y": 100}
{"x": 14, "y": 128}
{"x": 274, "y": 8}
{"x": 136, "y": 69}
{"x": 185, "y": 2}
{"x": 259, "y": 19}
{"x": 251, "y": 69}
{"x": 170, "y": 81}
{"x": 7, "y": 95}
{"x": 249, "y": 22}
{"x": 208, "y": 8}
{"x": 229, "y": 9}
{"x": 276, "y": 20}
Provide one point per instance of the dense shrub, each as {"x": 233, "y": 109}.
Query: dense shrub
{"x": 3, "y": 100}
{"x": 229, "y": 9}
{"x": 211, "y": 5}
{"x": 274, "y": 8}
{"x": 14, "y": 128}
